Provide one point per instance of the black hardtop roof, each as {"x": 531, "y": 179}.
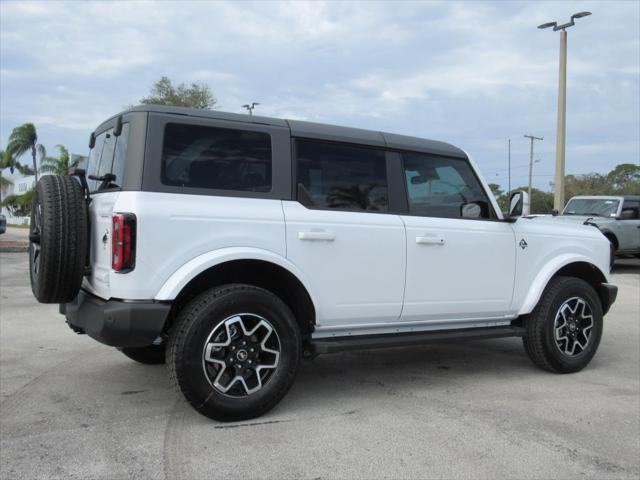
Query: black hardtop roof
{"x": 322, "y": 131}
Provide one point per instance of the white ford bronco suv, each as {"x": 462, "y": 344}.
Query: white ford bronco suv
{"x": 231, "y": 246}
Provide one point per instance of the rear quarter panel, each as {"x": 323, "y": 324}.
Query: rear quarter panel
{"x": 174, "y": 229}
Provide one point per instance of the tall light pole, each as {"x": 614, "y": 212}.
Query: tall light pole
{"x": 509, "y": 169}
{"x": 250, "y": 107}
{"x": 532, "y": 138}
{"x": 558, "y": 198}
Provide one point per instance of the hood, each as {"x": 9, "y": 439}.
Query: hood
{"x": 580, "y": 219}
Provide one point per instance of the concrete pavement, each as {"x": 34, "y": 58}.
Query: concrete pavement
{"x": 72, "y": 408}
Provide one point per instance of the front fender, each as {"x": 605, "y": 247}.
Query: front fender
{"x": 545, "y": 274}
{"x": 179, "y": 279}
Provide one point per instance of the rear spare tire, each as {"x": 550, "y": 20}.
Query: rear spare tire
{"x": 57, "y": 239}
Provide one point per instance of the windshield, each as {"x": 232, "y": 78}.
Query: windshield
{"x": 599, "y": 207}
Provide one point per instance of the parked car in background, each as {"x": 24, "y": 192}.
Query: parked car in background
{"x": 3, "y": 223}
{"x": 618, "y": 217}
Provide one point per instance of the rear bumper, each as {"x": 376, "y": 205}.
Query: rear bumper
{"x": 116, "y": 323}
{"x": 608, "y": 294}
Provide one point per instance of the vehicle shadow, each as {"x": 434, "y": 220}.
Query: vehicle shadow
{"x": 627, "y": 265}
{"x": 348, "y": 379}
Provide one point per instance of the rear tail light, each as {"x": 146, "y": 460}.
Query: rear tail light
{"x": 123, "y": 235}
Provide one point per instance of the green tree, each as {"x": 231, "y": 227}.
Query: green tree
{"x": 196, "y": 95}
{"x": 540, "y": 202}
{"x": 501, "y": 196}
{"x": 19, "y": 205}
{"x": 23, "y": 139}
{"x": 62, "y": 164}
{"x": 625, "y": 179}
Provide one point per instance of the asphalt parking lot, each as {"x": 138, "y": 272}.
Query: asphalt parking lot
{"x": 72, "y": 408}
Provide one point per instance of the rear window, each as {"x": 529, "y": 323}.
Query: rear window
{"x": 216, "y": 158}
{"x": 108, "y": 155}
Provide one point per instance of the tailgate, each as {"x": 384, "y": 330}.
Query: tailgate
{"x": 100, "y": 212}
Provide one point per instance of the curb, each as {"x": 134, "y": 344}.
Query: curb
{"x": 14, "y": 247}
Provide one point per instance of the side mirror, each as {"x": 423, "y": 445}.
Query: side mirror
{"x": 519, "y": 204}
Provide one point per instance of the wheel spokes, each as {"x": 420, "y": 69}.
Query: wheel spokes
{"x": 573, "y": 325}
{"x": 242, "y": 351}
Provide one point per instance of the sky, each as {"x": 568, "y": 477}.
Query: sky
{"x": 470, "y": 73}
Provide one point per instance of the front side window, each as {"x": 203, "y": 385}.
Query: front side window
{"x": 443, "y": 187}
{"x": 630, "y": 210}
{"x": 342, "y": 177}
{"x": 218, "y": 158}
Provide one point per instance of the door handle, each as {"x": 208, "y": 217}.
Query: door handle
{"x": 317, "y": 235}
{"x": 430, "y": 239}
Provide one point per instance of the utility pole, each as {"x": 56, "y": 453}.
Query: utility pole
{"x": 558, "y": 197}
{"x": 250, "y": 107}
{"x": 509, "y": 169}
{"x": 532, "y": 138}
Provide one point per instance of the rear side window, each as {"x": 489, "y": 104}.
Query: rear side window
{"x": 343, "y": 177}
{"x": 217, "y": 158}
{"x": 443, "y": 187}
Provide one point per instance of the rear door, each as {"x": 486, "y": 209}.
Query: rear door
{"x": 108, "y": 156}
{"x": 341, "y": 236}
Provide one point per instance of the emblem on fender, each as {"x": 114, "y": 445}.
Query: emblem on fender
{"x": 523, "y": 244}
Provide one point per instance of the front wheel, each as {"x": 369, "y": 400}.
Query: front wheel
{"x": 564, "y": 330}
{"x": 234, "y": 352}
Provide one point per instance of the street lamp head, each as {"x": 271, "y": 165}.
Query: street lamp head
{"x": 548, "y": 24}
{"x": 580, "y": 15}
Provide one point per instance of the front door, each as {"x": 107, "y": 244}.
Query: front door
{"x": 460, "y": 258}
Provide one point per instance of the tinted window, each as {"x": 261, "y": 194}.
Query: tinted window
{"x": 341, "y": 176}
{"x": 120, "y": 155}
{"x": 441, "y": 186}
{"x": 219, "y": 158}
{"x": 630, "y": 209}
{"x": 93, "y": 164}
{"x": 109, "y": 155}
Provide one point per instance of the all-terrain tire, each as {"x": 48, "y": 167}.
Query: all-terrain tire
{"x": 150, "y": 355}
{"x": 58, "y": 239}
{"x": 195, "y": 326}
{"x": 540, "y": 341}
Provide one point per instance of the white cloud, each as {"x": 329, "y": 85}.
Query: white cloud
{"x": 468, "y": 72}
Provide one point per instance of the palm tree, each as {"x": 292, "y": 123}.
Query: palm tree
{"x": 23, "y": 139}
{"x": 5, "y": 161}
{"x": 62, "y": 164}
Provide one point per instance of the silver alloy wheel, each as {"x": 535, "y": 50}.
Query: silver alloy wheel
{"x": 573, "y": 326}
{"x": 34, "y": 236}
{"x": 241, "y": 354}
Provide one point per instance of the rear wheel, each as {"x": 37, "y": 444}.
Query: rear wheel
{"x": 234, "y": 352}
{"x": 564, "y": 330}
{"x": 151, "y": 355}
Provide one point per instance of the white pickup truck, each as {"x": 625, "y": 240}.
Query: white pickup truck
{"x": 231, "y": 246}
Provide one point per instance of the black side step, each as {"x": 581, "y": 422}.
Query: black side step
{"x": 364, "y": 342}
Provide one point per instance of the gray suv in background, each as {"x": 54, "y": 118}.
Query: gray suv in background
{"x": 618, "y": 217}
